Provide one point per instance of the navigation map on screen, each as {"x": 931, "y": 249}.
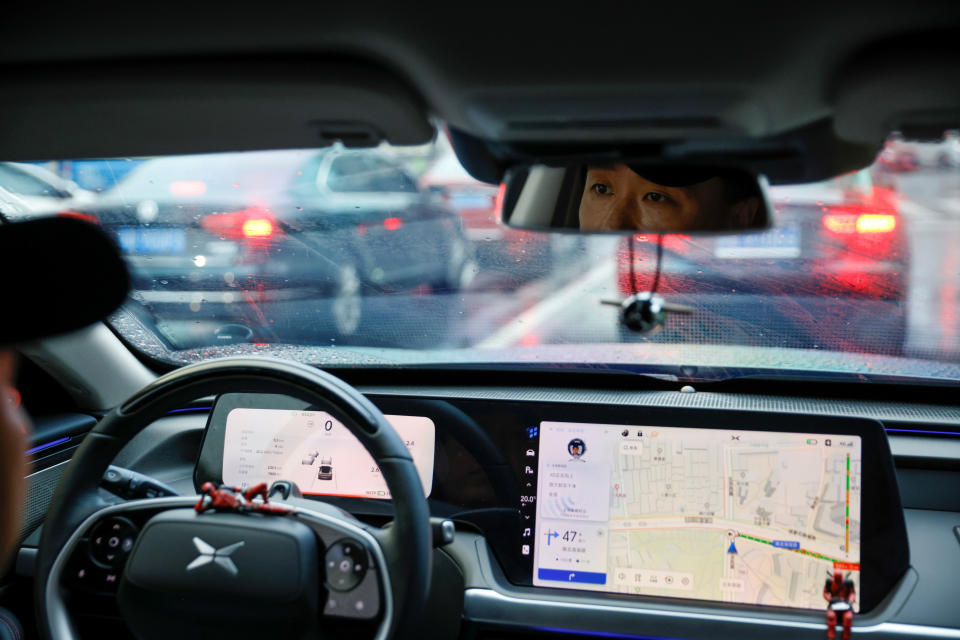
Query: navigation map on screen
{"x": 315, "y": 450}
{"x": 751, "y": 517}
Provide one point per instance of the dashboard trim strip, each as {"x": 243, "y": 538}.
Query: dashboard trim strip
{"x": 490, "y": 606}
{"x": 901, "y": 412}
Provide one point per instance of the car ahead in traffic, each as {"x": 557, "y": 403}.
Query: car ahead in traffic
{"x": 830, "y": 274}
{"x": 227, "y": 242}
{"x": 40, "y": 189}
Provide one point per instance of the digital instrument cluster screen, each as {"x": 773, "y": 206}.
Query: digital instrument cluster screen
{"x": 316, "y": 451}
{"x": 750, "y": 517}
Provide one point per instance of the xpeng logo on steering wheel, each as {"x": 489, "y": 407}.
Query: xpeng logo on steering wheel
{"x": 208, "y": 554}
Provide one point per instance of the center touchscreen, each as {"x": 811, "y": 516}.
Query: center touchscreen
{"x": 752, "y": 517}
{"x": 315, "y": 450}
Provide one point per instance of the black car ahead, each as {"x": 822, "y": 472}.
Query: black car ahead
{"x": 300, "y": 242}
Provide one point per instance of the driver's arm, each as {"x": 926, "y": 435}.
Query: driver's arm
{"x": 14, "y": 427}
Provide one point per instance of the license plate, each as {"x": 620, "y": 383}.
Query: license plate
{"x": 147, "y": 241}
{"x": 774, "y": 243}
{"x": 471, "y": 201}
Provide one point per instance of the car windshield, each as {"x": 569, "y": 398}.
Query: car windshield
{"x": 394, "y": 255}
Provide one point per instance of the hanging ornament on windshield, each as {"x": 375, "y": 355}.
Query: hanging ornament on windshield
{"x": 646, "y": 312}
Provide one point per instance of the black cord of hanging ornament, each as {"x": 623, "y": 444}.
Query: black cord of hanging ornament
{"x": 646, "y": 311}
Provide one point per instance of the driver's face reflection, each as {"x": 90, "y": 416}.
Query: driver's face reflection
{"x": 618, "y": 199}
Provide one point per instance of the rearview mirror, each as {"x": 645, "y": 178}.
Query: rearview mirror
{"x": 636, "y": 198}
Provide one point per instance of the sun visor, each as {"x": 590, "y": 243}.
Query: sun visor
{"x": 60, "y": 274}
{"x": 138, "y": 108}
{"x": 910, "y": 85}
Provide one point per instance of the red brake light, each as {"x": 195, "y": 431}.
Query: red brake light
{"x": 498, "y": 201}
{"x": 86, "y": 217}
{"x": 252, "y": 223}
{"x": 257, "y": 228}
{"x": 846, "y": 223}
{"x": 840, "y": 222}
{"x": 392, "y": 224}
{"x": 876, "y": 223}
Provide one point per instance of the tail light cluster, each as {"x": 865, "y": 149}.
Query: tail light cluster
{"x": 848, "y": 223}
{"x": 862, "y": 234}
{"x": 390, "y": 224}
{"x": 253, "y": 224}
{"x": 86, "y": 217}
{"x": 254, "y": 228}
{"x": 498, "y": 201}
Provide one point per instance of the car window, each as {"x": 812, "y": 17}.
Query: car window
{"x": 20, "y": 182}
{"x": 357, "y": 173}
{"x": 232, "y": 175}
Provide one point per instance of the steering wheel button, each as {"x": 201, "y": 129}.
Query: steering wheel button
{"x": 347, "y": 564}
{"x": 111, "y": 540}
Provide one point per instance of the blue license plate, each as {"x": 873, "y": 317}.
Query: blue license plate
{"x": 782, "y": 242}
{"x": 147, "y": 241}
{"x": 471, "y": 201}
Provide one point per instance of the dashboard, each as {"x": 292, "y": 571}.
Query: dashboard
{"x": 564, "y": 516}
{"x": 744, "y": 509}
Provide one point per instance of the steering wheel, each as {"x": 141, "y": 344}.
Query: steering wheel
{"x": 175, "y": 572}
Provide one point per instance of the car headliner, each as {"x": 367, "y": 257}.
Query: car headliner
{"x": 831, "y": 77}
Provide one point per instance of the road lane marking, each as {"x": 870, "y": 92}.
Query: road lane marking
{"x": 515, "y": 329}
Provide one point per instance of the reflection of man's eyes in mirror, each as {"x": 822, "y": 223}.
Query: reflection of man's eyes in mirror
{"x": 601, "y": 189}
{"x": 621, "y": 197}
{"x": 618, "y": 198}
{"x": 654, "y": 196}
